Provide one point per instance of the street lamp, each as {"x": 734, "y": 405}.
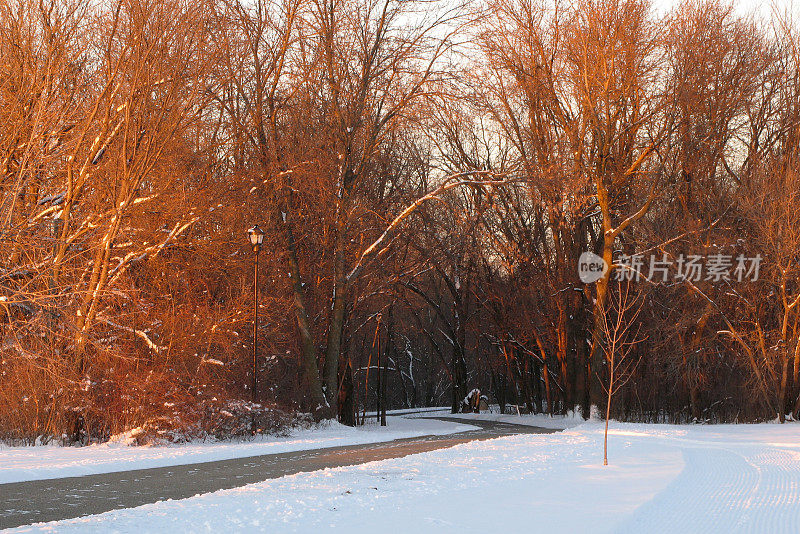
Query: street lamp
{"x": 256, "y": 236}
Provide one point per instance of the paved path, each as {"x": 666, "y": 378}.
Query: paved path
{"x": 22, "y": 503}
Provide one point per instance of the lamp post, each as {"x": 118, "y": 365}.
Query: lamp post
{"x": 256, "y": 236}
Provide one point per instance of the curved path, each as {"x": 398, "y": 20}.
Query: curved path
{"x": 22, "y": 503}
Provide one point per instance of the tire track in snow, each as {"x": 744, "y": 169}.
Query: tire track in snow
{"x": 775, "y": 507}
{"x": 724, "y": 490}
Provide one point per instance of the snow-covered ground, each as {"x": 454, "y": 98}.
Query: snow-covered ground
{"x": 18, "y": 464}
{"x": 540, "y": 420}
{"x": 662, "y": 478}
{"x": 422, "y": 412}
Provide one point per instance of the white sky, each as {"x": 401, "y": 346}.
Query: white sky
{"x": 763, "y": 7}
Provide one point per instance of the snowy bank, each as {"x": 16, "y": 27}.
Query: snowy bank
{"x": 19, "y": 464}
{"x": 559, "y": 422}
{"x": 662, "y": 478}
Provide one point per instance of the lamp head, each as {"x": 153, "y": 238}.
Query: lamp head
{"x": 256, "y": 236}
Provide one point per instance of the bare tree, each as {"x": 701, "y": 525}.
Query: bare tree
{"x": 621, "y": 335}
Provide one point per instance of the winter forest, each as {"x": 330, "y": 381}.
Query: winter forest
{"x": 429, "y": 176}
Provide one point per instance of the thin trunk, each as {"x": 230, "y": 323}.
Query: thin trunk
{"x": 580, "y": 367}
{"x": 95, "y": 288}
{"x": 796, "y": 380}
{"x": 537, "y": 376}
{"x": 347, "y": 409}
{"x": 608, "y": 406}
{"x": 546, "y": 373}
{"x": 782, "y": 393}
{"x": 513, "y": 378}
{"x": 369, "y": 365}
{"x": 386, "y": 358}
{"x": 563, "y": 369}
{"x": 456, "y": 374}
{"x": 499, "y": 382}
{"x": 383, "y": 390}
{"x": 526, "y": 380}
{"x": 378, "y": 388}
{"x": 605, "y": 434}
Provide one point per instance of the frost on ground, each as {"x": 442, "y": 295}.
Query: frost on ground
{"x": 661, "y": 479}
{"x": 19, "y": 464}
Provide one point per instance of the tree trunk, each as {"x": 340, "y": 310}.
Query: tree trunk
{"x": 796, "y": 380}
{"x": 321, "y": 408}
{"x": 510, "y": 371}
{"x": 605, "y": 433}
{"x": 546, "y": 374}
{"x": 459, "y": 378}
{"x": 526, "y": 380}
{"x": 346, "y": 404}
{"x": 581, "y": 365}
{"x": 694, "y": 402}
{"x": 782, "y": 393}
{"x": 338, "y": 312}
{"x": 333, "y": 350}
{"x": 385, "y": 372}
{"x": 537, "y": 376}
{"x": 499, "y": 380}
{"x": 378, "y": 388}
{"x": 597, "y": 361}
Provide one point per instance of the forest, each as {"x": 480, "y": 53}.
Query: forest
{"x": 431, "y": 177}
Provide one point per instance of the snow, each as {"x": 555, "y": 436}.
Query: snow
{"x": 423, "y": 412}
{"x": 19, "y": 464}
{"x": 661, "y": 479}
{"x": 475, "y": 391}
{"x": 557, "y": 422}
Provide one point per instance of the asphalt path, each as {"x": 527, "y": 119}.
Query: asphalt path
{"x": 23, "y": 503}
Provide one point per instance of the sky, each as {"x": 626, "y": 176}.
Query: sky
{"x": 763, "y": 7}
